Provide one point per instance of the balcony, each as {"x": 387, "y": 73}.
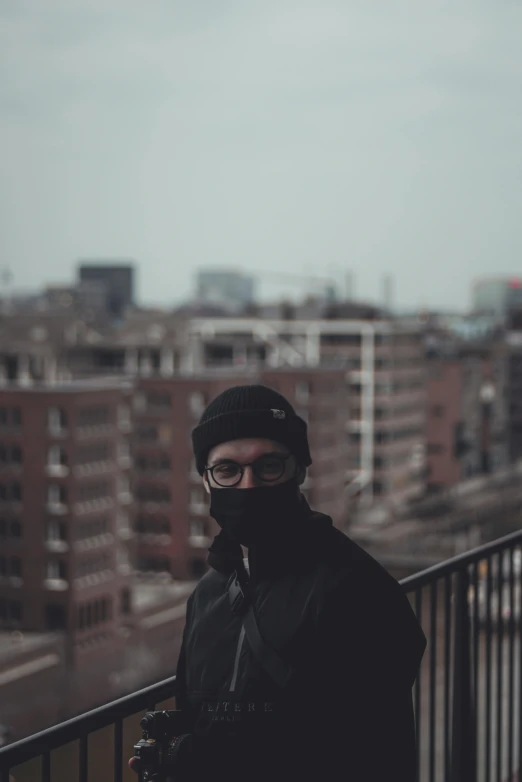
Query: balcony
{"x": 467, "y": 697}
{"x": 93, "y": 506}
{"x": 56, "y": 431}
{"x": 94, "y": 542}
{"x": 56, "y": 584}
{"x": 124, "y": 461}
{"x": 56, "y": 545}
{"x": 199, "y": 541}
{"x": 90, "y": 469}
{"x": 57, "y": 508}
{"x": 57, "y": 470}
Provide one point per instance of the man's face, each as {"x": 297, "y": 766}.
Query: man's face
{"x": 265, "y": 454}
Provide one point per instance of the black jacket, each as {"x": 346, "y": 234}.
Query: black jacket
{"x": 347, "y": 629}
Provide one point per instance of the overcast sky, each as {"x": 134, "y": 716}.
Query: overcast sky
{"x": 305, "y": 137}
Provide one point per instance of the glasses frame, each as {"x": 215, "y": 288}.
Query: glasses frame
{"x": 242, "y": 468}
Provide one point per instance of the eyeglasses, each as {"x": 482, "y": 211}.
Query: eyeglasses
{"x": 268, "y": 468}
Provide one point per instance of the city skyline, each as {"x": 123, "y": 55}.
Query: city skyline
{"x": 303, "y": 137}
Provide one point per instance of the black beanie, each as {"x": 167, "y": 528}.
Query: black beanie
{"x": 250, "y": 411}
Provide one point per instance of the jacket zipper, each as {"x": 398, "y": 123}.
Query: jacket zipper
{"x": 236, "y": 660}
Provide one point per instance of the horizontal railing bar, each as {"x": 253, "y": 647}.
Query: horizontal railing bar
{"x": 71, "y": 730}
{"x": 461, "y": 560}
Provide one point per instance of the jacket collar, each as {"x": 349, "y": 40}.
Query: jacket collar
{"x": 225, "y": 556}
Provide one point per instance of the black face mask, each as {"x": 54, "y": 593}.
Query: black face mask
{"x": 259, "y": 516}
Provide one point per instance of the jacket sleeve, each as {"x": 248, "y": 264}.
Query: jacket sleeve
{"x": 182, "y": 701}
{"x": 369, "y": 648}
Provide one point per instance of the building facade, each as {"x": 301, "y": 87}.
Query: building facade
{"x": 65, "y": 505}
{"x": 118, "y": 280}
{"x": 467, "y": 428}
{"x": 497, "y": 296}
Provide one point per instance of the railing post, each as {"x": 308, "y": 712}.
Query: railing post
{"x": 464, "y": 732}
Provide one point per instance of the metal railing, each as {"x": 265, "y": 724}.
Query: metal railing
{"x": 467, "y": 697}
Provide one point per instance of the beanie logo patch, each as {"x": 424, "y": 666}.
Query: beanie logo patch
{"x": 278, "y": 413}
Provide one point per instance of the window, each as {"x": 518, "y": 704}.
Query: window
{"x": 95, "y": 490}
{"x": 3, "y": 528}
{"x": 196, "y": 403}
{"x": 196, "y": 496}
{"x": 153, "y": 494}
{"x": 16, "y": 567}
{"x": 56, "y": 495}
{"x": 3, "y": 566}
{"x": 147, "y": 433}
{"x": 302, "y": 392}
{"x": 159, "y": 401}
{"x": 154, "y": 564}
{"x": 140, "y": 401}
{"x": 16, "y": 491}
{"x": 56, "y": 456}
{"x": 92, "y": 528}
{"x": 16, "y": 454}
{"x": 125, "y": 601}
{"x": 3, "y": 416}
{"x": 55, "y": 617}
{"x": 123, "y": 484}
{"x": 153, "y": 462}
{"x": 94, "y": 452}
{"x": 95, "y": 415}
{"x": 198, "y": 568}
{"x": 93, "y": 564}
{"x": 123, "y": 449}
{"x": 56, "y": 531}
{"x": 56, "y": 569}
{"x": 16, "y": 416}
{"x": 197, "y": 528}
{"x": 15, "y": 610}
{"x": 155, "y": 525}
{"x": 124, "y": 415}
{"x": 56, "y": 420}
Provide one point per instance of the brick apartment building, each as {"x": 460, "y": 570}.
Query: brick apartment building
{"x": 467, "y": 428}
{"x": 384, "y": 358}
{"x": 514, "y": 382}
{"x": 173, "y": 526}
{"x": 65, "y": 508}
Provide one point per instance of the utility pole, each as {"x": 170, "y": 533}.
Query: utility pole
{"x": 387, "y": 292}
{"x": 349, "y": 282}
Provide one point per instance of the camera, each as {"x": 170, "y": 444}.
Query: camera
{"x": 164, "y": 750}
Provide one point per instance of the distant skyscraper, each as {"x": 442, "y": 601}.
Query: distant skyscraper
{"x": 497, "y": 295}
{"x": 118, "y": 279}
{"x": 231, "y": 290}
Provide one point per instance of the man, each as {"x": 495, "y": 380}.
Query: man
{"x": 297, "y": 661}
